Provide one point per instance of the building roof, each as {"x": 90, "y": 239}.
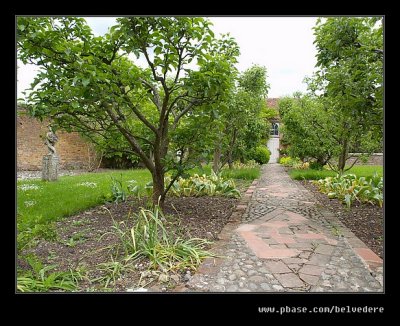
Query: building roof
{"x": 272, "y": 102}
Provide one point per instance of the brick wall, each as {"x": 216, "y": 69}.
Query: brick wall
{"x": 73, "y": 151}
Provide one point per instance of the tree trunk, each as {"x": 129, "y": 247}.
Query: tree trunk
{"x": 160, "y": 152}
{"x": 231, "y": 147}
{"x": 158, "y": 187}
{"x": 343, "y": 155}
{"x": 217, "y": 156}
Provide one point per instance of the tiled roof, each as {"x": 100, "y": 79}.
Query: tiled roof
{"x": 272, "y": 102}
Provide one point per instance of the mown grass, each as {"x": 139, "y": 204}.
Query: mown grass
{"x": 358, "y": 170}
{"x": 65, "y": 196}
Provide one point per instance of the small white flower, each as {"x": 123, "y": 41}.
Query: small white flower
{"x": 29, "y": 203}
{"x": 88, "y": 184}
{"x": 28, "y": 186}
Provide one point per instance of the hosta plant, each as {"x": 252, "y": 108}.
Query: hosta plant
{"x": 204, "y": 185}
{"x": 349, "y": 188}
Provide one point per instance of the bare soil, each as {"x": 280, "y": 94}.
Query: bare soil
{"x": 364, "y": 220}
{"x": 84, "y": 241}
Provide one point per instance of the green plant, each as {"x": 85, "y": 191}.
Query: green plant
{"x": 315, "y": 165}
{"x": 118, "y": 193}
{"x": 301, "y": 165}
{"x": 349, "y": 188}
{"x": 205, "y": 185}
{"x": 80, "y": 222}
{"x": 359, "y": 170}
{"x": 112, "y": 270}
{"x": 260, "y": 154}
{"x": 76, "y": 238}
{"x": 149, "y": 108}
{"x": 134, "y": 188}
{"x": 29, "y": 235}
{"x": 41, "y": 280}
{"x": 150, "y": 239}
{"x": 250, "y": 164}
{"x": 289, "y": 161}
{"x": 121, "y": 230}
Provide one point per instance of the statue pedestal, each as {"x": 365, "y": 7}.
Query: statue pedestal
{"x": 50, "y": 167}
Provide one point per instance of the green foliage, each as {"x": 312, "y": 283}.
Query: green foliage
{"x": 205, "y": 185}
{"x": 92, "y": 85}
{"x": 75, "y": 239}
{"x": 358, "y": 170}
{"x": 150, "y": 239}
{"x": 67, "y": 196}
{"x": 349, "y": 188}
{"x": 289, "y": 161}
{"x": 306, "y": 128}
{"x": 315, "y": 165}
{"x": 41, "y": 280}
{"x": 240, "y": 172}
{"x": 111, "y": 271}
{"x": 250, "y": 164}
{"x": 118, "y": 193}
{"x": 349, "y": 84}
{"x": 260, "y": 154}
{"x": 301, "y": 165}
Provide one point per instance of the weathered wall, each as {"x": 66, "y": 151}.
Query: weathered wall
{"x": 73, "y": 151}
{"x": 375, "y": 159}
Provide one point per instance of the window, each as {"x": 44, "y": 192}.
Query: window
{"x": 274, "y": 129}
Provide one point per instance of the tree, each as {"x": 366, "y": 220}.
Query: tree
{"x": 243, "y": 124}
{"x": 350, "y": 80}
{"x": 92, "y": 84}
{"x": 307, "y": 128}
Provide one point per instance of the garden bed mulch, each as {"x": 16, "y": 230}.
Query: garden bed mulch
{"x": 364, "y": 220}
{"x": 188, "y": 217}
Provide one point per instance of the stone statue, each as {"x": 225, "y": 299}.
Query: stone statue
{"x": 51, "y": 140}
{"x": 50, "y": 160}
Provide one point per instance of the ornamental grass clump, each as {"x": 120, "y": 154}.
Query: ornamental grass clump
{"x": 165, "y": 252}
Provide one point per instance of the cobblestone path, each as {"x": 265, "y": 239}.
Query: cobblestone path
{"x": 284, "y": 240}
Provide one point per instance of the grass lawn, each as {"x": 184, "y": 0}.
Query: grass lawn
{"x": 67, "y": 195}
{"x": 358, "y": 170}
{"x": 72, "y": 194}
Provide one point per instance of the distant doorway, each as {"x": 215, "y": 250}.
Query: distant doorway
{"x": 273, "y": 143}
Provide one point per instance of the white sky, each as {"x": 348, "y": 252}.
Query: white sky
{"x": 284, "y": 45}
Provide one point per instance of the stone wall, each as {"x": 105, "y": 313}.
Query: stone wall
{"x": 73, "y": 151}
{"x": 374, "y": 159}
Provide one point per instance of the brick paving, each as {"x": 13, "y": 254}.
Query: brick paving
{"x": 281, "y": 240}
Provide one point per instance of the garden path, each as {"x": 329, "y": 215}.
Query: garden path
{"x": 281, "y": 240}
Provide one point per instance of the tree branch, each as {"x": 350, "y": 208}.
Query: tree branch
{"x": 131, "y": 139}
{"x": 355, "y": 161}
{"x": 182, "y": 113}
{"x": 156, "y": 96}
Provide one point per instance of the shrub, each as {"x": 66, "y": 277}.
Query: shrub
{"x": 301, "y": 165}
{"x": 261, "y": 155}
{"x": 285, "y": 160}
{"x": 289, "y": 161}
{"x": 349, "y": 188}
{"x": 316, "y": 166}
